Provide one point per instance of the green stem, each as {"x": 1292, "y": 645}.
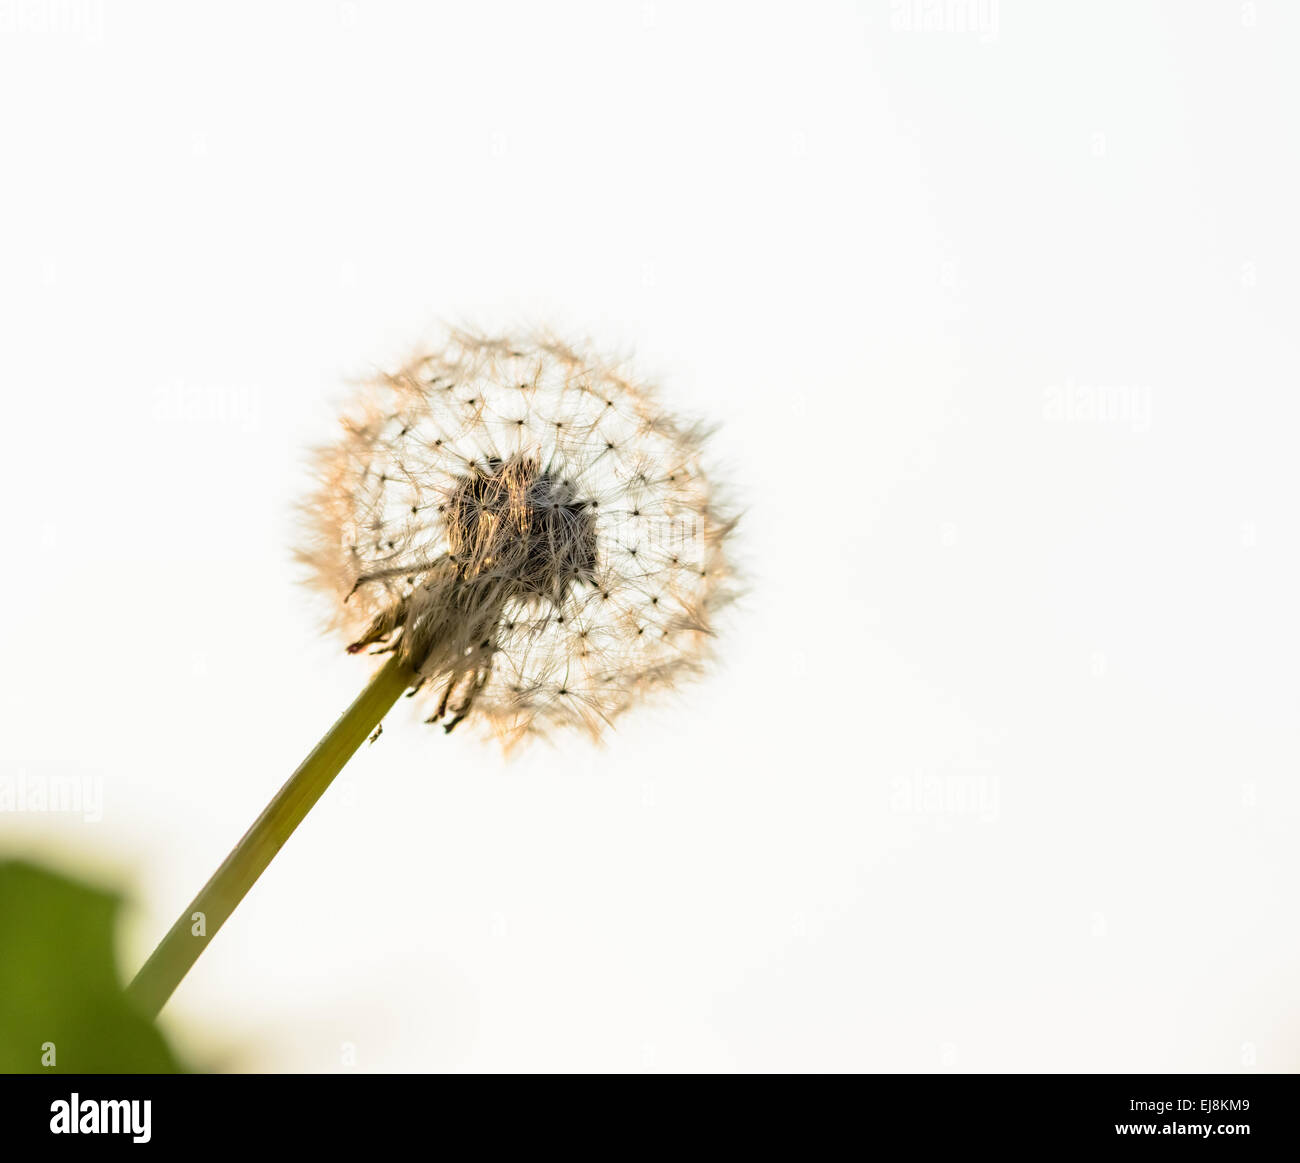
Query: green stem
{"x": 180, "y": 948}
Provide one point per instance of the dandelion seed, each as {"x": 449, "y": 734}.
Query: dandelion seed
{"x": 514, "y": 531}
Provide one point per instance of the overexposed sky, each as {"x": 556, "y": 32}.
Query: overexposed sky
{"x": 995, "y": 305}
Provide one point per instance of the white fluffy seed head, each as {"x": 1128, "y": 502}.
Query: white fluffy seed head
{"x": 527, "y": 527}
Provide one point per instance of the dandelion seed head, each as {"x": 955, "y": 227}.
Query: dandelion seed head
{"x": 527, "y": 527}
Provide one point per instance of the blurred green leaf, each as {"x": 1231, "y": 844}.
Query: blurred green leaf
{"x": 62, "y": 1008}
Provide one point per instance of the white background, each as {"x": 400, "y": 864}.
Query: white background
{"x": 996, "y": 307}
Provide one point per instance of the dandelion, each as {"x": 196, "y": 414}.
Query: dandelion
{"x": 529, "y": 538}
{"x": 527, "y": 529}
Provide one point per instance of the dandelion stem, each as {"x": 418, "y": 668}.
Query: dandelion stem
{"x": 187, "y": 938}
